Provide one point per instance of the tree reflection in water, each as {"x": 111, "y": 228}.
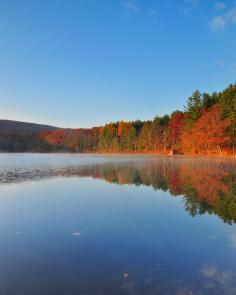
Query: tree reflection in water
{"x": 206, "y": 185}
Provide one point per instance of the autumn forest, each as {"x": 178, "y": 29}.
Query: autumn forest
{"x": 206, "y": 126}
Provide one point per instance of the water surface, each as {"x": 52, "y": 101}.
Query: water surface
{"x": 89, "y": 224}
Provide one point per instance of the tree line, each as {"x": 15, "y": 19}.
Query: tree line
{"x": 207, "y": 125}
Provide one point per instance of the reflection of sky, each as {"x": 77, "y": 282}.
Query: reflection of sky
{"x": 220, "y": 278}
{"x": 137, "y": 230}
{"x": 122, "y": 228}
{"x": 232, "y": 238}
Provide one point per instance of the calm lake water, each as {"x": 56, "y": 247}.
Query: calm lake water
{"x": 88, "y": 224}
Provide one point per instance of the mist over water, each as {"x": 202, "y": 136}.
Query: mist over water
{"x": 90, "y": 224}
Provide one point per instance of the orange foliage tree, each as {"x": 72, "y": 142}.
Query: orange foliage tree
{"x": 208, "y": 133}
{"x": 175, "y": 127}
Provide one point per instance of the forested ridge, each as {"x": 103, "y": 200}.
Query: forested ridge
{"x": 207, "y": 125}
{"x": 16, "y": 127}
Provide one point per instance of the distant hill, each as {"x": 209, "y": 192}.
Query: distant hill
{"x": 20, "y": 128}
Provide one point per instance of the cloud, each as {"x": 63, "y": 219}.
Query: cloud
{"x": 218, "y": 23}
{"x": 231, "y": 14}
{"x": 131, "y": 5}
{"x": 219, "y": 5}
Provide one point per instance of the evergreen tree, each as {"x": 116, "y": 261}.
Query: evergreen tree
{"x": 193, "y": 109}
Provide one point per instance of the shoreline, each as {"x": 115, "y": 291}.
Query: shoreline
{"x": 138, "y": 154}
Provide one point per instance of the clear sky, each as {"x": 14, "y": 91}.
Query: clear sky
{"x": 82, "y": 63}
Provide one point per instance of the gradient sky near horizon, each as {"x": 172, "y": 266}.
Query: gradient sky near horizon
{"x": 88, "y": 62}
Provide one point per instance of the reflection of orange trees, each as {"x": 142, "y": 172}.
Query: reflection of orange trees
{"x": 206, "y": 187}
{"x": 122, "y": 179}
{"x": 175, "y": 183}
{"x": 207, "y": 182}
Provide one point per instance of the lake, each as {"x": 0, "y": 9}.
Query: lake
{"x": 90, "y": 224}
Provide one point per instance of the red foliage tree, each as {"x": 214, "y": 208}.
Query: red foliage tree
{"x": 208, "y": 133}
{"x": 175, "y": 127}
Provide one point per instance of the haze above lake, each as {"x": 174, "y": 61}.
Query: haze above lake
{"x": 91, "y": 224}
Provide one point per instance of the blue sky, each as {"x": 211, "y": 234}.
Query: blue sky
{"x": 83, "y": 63}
